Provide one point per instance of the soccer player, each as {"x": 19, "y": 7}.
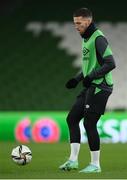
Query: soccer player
{"x": 96, "y": 76}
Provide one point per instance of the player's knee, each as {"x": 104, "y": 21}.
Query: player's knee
{"x": 89, "y": 121}
{"x": 85, "y": 124}
{"x": 69, "y": 120}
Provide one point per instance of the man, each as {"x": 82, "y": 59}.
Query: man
{"x": 97, "y": 64}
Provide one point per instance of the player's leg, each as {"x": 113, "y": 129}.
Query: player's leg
{"x": 94, "y": 106}
{"x": 90, "y": 124}
{"x": 73, "y": 118}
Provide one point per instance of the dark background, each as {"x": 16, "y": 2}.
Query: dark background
{"x": 62, "y": 10}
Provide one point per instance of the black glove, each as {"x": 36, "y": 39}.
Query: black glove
{"x": 87, "y": 81}
{"x": 72, "y": 83}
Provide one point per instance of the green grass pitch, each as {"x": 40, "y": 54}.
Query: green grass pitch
{"x": 48, "y": 157}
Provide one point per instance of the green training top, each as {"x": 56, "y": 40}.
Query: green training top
{"x": 89, "y": 58}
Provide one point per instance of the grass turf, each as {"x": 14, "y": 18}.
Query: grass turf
{"x": 48, "y": 157}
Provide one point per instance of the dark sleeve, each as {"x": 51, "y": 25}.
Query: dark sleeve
{"x": 79, "y": 77}
{"x": 104, "y": 57}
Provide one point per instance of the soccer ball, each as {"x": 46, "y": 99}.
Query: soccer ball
{"x": 21, "y": 155}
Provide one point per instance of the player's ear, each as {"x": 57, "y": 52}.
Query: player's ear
{"x": 89, "y": 20}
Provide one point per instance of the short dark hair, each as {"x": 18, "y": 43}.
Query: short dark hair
{"x": 84, "y": 12}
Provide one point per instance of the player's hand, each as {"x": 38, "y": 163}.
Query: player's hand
{"x": 72, "y": 83}
{"x": 87, "y": 82}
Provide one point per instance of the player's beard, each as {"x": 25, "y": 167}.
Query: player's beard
{"x": 82, "y": 30}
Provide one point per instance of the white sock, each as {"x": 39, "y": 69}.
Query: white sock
{"x": 75, "y": 147}
{"x": 95, "y": 158}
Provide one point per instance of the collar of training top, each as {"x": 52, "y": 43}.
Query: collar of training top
{"x": 89, "y": 31}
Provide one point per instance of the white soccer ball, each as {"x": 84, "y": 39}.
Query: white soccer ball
{"x": 21, "y": 155}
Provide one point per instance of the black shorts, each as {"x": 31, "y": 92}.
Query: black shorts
{"x": 94, "y": 102}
